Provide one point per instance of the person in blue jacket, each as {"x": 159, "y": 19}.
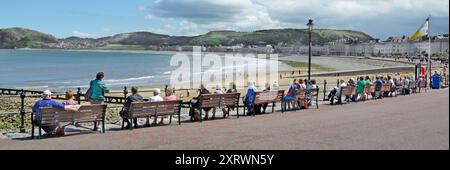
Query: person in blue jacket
{"x": 250, "y": 96}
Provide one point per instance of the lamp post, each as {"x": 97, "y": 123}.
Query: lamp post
{"x": 310, "y": 28}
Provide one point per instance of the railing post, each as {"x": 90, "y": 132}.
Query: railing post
{"x": 125, "y": 92}
{"x": 79, "y": 95}
{"x": 22, "y": 112}
{"x": 324, "y": 90}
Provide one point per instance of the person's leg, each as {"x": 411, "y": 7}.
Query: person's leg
{"x": 264, "y": 108}
{"x": 135, "y": 122}
{"x": 162, "y": 120}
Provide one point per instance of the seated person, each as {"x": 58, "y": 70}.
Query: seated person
{"x": 336, "y": 92}
{"x": 219, "y": 90}
{"x": 232, "y": 89}
{"x": 264, "y": 106}
{"x": 249, "y": 97}
{"x": 134, "y": 97}
{"x": 156, "y": 98}
{"x": 47, "y": 102}
{"x": 70, "y": 101}
{"x": 291, "y": 96}
{"x": 195, "y": 103}
{"x": 170, "y": 95}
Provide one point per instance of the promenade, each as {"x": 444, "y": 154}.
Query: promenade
{"x": 419, "y": 121}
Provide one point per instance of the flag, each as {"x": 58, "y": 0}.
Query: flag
{"x": 422, "y": 31}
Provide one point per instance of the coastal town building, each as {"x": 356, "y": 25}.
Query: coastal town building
{"x": 393, "y": 46}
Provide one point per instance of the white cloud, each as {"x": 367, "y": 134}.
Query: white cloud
{"x": 200, "y": 16}
{"x": 82, "y": 34}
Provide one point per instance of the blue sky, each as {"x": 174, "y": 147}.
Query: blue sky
{"x": 97, "y": 18}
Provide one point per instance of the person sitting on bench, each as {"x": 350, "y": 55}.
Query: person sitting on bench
{"x": 135, "y": 97}
{"x": 196, "y": 103}
{"x": 248, "y": 101}
{"x": 47, "y": 102}
{"x": 156, "y": 98}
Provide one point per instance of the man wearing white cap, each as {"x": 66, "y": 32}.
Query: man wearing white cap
{"x": 47, "y": 102}
{"x": 156, "y": 98}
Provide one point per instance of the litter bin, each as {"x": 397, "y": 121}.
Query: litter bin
{"x": 436, "y": 81}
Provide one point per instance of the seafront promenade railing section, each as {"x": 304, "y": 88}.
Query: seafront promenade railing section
{"x": 122, "y": 96}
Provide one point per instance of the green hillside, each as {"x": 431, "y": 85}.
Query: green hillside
{"x": 277, "y": 36}
{"x": 24, "y": 38}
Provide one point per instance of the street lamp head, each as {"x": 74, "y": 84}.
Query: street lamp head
{"x": 310, "y": 24}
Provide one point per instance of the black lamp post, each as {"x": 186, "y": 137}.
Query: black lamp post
{"x": 310, "y": 28}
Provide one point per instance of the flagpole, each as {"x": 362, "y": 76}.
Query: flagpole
{"x": 429, "y": 52}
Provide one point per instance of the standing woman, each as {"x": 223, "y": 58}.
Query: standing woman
{"x": 98, "y": 89}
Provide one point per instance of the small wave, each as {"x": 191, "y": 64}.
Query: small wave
{"x": 167, "y": 72}
{"x": 130, "y": 79}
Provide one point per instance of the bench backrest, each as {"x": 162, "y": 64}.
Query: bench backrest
{"x": 210, "y": 100}
{"x": 87, "y": 113}
{"x": 348, "y": 90}
{"x": 413, "y": 86}
{"x": 423, "y": 84}
{"x": 369, "y": 89}
{"x": 53, "y": 116}
{"x": 266, "y": 97}
{"x": 90, "y": 113}
{"x": 146, "y": 109}
{"x": 386, "y": 87}
{"x": 230, "y": 99}
{"x": 280, "y": 96}
{"x": 219, "y": 100}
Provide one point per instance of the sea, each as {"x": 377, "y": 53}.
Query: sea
{"x": 71, "y": 69}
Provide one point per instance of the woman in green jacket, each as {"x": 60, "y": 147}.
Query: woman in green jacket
{"x": 98, "y": 89}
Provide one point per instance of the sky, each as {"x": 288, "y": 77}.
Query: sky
{"x": 98, "y": 18}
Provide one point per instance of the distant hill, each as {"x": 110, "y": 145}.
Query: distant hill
{"x": 25, "y": 38}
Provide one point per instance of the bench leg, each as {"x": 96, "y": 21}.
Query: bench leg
{"x": 131, "y": 124}
{"x": 201, "y": 114}
{"x": 317, "y": 102}
{"x": 237, "y": 111}
{"x": 179, "y": 118}
{"x": 103, "y": 125}
{"x": 170, "y": 120}
{"x": 273, "y": 107}
{"x": 40, "y": 132}
{"x": 95, "y": 126}
{"x": 32, "y": 130}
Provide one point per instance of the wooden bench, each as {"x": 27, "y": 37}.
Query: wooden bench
{"x": 268, "y": 97}
{"x": 413, "y": 87}
{"x": 369, "y": 89}
{"x": 385, "y": 88}
{"x": 345, "y": 91}
{"x": 231, "y": 101}
{"x": 423, "y": 85}
{"x": 309, "y": 95}
{"x": 55, "y": 117}
{"x": 153, "y": 109}
{"x": 214, "y": 101}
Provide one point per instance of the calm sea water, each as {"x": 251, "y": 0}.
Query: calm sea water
{"x": 56, "y": 69}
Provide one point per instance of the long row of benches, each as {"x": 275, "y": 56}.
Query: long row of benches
{"x": 385, "y": 88}
{"x": 97, "y": 113}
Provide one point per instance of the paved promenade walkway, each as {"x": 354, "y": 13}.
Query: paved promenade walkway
{"x": 418, "y": 121}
